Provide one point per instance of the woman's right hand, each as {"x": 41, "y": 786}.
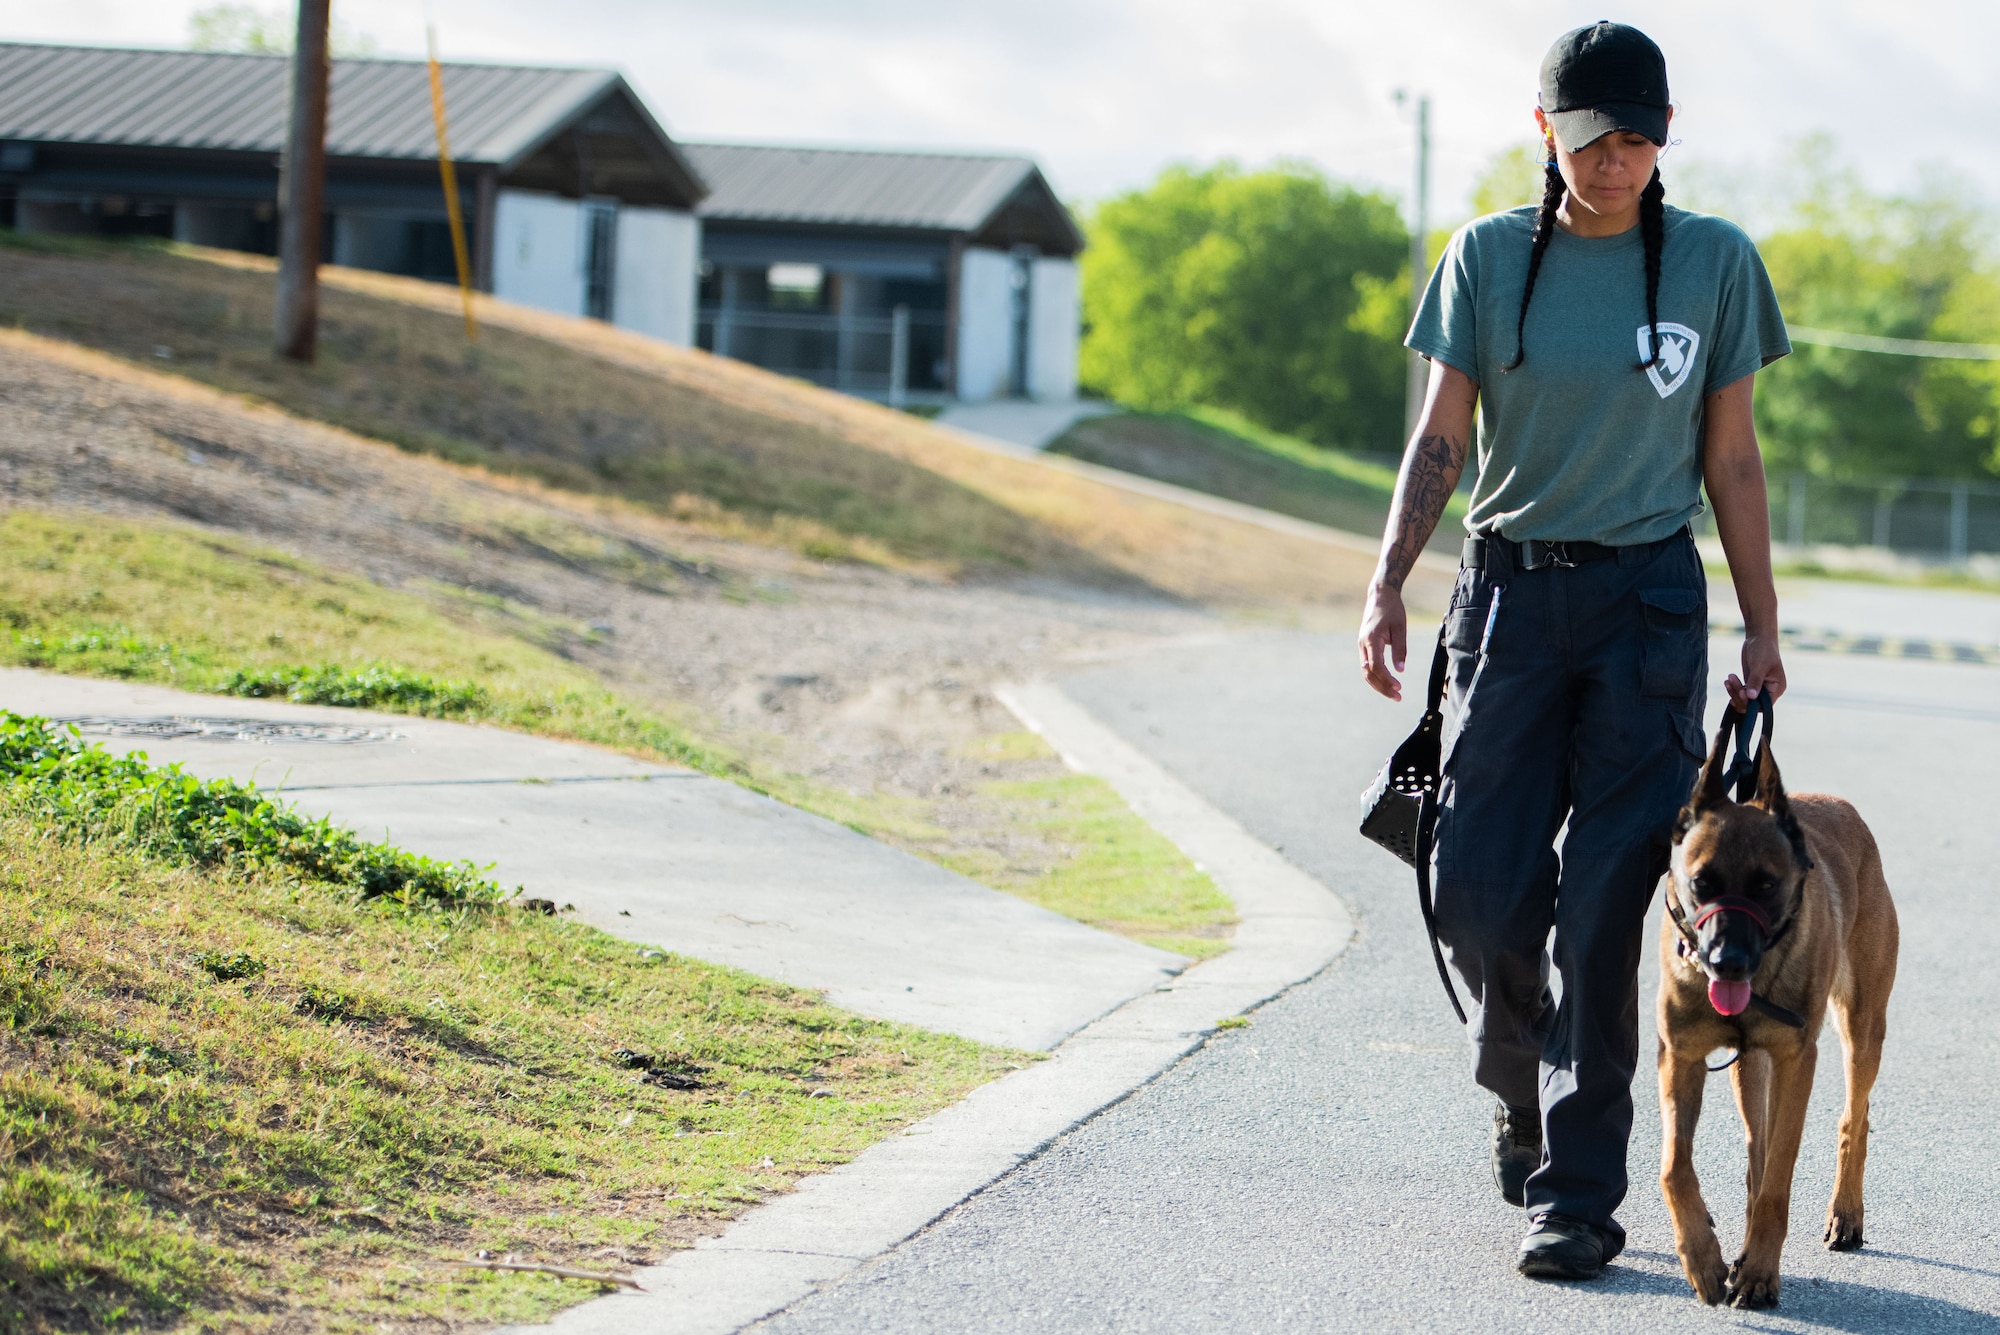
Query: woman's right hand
{"x": 1385, "y": 639}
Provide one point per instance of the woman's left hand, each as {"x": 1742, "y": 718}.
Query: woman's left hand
{"x": 1763, "y": 669}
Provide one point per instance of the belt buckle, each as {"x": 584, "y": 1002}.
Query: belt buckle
{"x": 1542, "y": 555}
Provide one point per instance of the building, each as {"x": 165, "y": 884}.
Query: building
{"x": 925, "y": 276}
{"x": 576, "y": 199}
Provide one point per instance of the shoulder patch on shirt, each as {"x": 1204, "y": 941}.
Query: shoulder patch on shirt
{"x": 1678, "y": 344}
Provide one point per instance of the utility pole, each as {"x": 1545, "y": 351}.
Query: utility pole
{"x": 1420, "y": 273}
{"x": 302, "y": 187}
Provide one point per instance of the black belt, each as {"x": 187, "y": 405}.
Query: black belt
{"x": 1534, "y": 554}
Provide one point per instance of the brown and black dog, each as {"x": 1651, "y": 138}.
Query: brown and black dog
{"x": 1777, "y": 911}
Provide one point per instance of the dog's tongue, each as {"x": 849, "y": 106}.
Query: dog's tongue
{"x": 1729, "y": 998}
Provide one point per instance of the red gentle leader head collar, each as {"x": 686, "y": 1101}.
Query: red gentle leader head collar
{"x": 1734, "y": 904}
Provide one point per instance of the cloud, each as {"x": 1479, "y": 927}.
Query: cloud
{"x": 1104, "y": 92}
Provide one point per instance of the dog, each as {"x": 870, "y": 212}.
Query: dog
{"x": 1777, "y": 912}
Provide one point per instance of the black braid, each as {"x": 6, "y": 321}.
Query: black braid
{"x": 1653, "y": 227}
{"x": 1545, "y": 226}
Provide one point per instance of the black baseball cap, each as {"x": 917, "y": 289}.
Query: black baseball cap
{"x": 1604, "y": 78}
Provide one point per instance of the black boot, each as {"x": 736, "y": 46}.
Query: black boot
{"x": 1558, "y": 1247}
{"x": 1517, "y": 1149}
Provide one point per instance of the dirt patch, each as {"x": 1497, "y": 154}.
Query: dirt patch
{"x": 867, "y": 678}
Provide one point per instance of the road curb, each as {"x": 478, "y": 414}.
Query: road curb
{"x": 1290, "y": 928}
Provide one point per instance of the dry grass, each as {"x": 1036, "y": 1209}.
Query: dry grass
{"x": 256, "y": 1105}
{"x": 1184, "y": 552}
{"x": 589, "y": 406}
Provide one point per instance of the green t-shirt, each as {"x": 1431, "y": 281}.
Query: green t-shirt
{"x": 1577, "y": 443}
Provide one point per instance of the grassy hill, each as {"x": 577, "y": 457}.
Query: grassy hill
{"x": 1224, "y": 454}
{"x": 595, "y": 409}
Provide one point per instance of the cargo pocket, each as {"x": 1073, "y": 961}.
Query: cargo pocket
{"x": 1676, "y": 634}
{"x": 1464, "y": 628}
{"x": 1687, "y": 731}
{"x": 1464, "y": 637}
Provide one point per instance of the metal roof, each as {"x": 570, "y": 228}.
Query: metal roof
{"x": 932, "y": 191}
{"x": 225, "y": 101}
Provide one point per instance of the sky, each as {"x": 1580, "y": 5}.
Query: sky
{"x": 1105, "y": 92}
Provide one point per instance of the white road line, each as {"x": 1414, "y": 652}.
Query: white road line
{"x": 1290, "y": 928}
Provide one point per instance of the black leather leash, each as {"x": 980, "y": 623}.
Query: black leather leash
{"x": 1427, "y": 836}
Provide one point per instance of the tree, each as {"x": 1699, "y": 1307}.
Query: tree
{"x": 1278, "y": 294}
{"x": 248, "y": 29}
{"x": 1916, "y": 266}
{"x": 1514, "y": 177}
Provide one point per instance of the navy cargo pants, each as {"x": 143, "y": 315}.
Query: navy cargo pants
{"x": 1575, "y": 697}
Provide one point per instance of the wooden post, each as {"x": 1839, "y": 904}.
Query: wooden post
{"x": 302, "y": 188}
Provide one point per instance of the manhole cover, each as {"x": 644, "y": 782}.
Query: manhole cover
{"x": 175, "y": 726}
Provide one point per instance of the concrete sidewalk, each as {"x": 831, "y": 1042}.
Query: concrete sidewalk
{"x": 1023, "y": 423}
{"x": 657, "y": 855}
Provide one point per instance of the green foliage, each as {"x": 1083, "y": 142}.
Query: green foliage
{"x": 376, "y": 686}
{"x": 228, "y": 968}
{"x": 1918, "y": 266}
{"x": 1513, "y": 178}
{"x": 1277, "y": 294}
{"x": 94, "y": 796}
{"x": 268, "y": 32}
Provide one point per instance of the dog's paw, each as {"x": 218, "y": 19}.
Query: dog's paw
{"x": 1711, "y": 1282}
{"x": 1702, "y": 1263}
{"x": 1843, "y": 1233}
{"x": 1752, "y": 1290}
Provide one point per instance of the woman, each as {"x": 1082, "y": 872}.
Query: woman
{"x": 1610, "y": 342}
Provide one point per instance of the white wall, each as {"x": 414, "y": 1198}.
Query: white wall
{"x": 1052, "y": 329}
{"x": 538, "y": 251}
{"x": 985, "y": 324}
{"x": 654, "y": 288}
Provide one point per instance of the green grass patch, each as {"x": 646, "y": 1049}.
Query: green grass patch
{"x": 98, "y": 798}
{"x": 175, "y": 606}
{"x": 234, "y": 1098}
{"x": 1077, "y": 849}
{"x": 375, "y": 686}
{"x": 1227, "y": 455}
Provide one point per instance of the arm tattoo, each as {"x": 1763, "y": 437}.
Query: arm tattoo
{"x": 1430, "y": 473}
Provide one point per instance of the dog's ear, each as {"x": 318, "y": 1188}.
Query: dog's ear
{"x": 1770, "y": 794}
{"x": 1710, "y": 789}
{"x": 1771, "y": 797}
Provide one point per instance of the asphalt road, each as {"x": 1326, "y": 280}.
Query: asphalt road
{"x": 1324, "y": 1169}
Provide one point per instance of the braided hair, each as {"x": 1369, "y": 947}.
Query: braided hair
{"x": 1652, "y": 230}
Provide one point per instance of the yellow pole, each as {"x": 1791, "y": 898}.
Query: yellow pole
{"x": 451, "y": 189}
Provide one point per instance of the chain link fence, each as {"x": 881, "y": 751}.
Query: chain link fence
{"x": 1934, "y": 521}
